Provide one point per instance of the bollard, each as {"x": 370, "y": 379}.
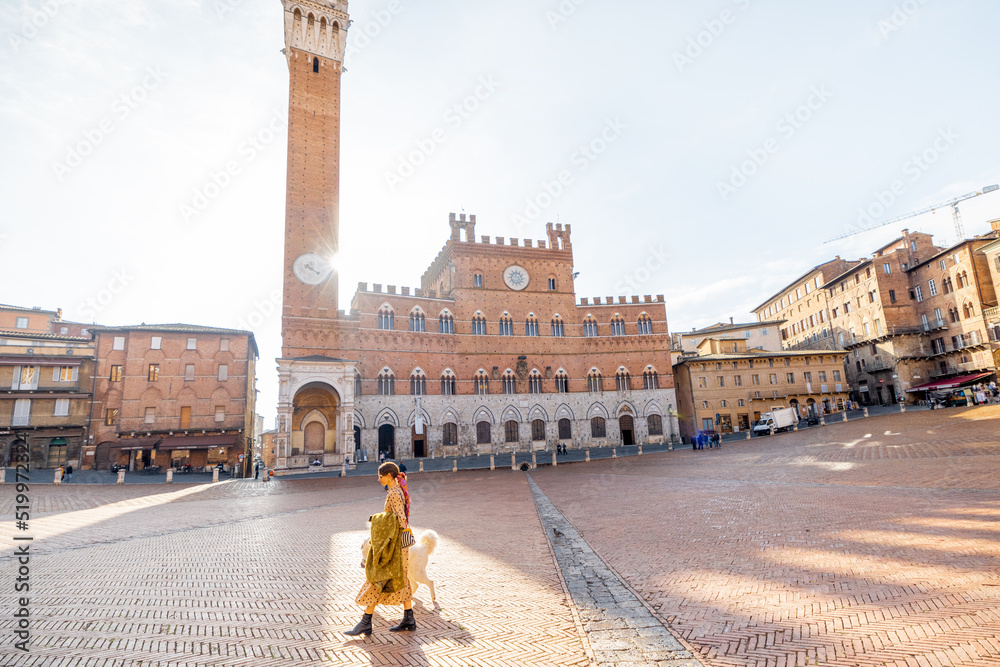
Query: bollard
{"x": 748, "y": 435}
{"x": 121, "y": 477}
{"x": 58, "y": 477}
{"x": 343, "y": 469}
{"x": 772, "y": 429}
{"x": 795, "y": 427}
{"x": 534, "y": 461}
{"x": 670, "y": 447}
{"x": 866, "y": 413}
{"x": 588, "y": 455}
{"x": 454, "y": 465}
{"x": 902, "y": 408}
{"x": 215, "y": 475}
{"x": 640, "y": 450}
{"x": 844, "y": 413}
{"x": 492, "y": 463}
{"x": 421, "y": 465}
{"x": 614, "y": 453}
{"x": 513, "y": 461}
{"x": 3, "y": 476}
{"x": 822, "y": 420}
{"x": 170, "y": 475}
{"x": 554, "y": 462}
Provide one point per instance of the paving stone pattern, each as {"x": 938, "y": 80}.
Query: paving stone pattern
{"x": 618, "y": 626}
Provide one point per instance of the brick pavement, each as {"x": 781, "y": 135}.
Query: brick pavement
{"x": 867, "y": 543}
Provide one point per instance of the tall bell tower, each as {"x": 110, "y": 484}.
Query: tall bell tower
{"x": 315, "y": 40}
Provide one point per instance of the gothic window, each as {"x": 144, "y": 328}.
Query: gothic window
{"x": 446, "y": 323}
{"x": 386, "y": 319}
{"x": 655, "y": 424}
{"x": 531, "y": 326}
{"x": 590, "y": 327}
{"x": 417, "y": 321}
{"x": 594, "y": 381}
{"x": 386, "y": 383}
{"x": 315, "y": 64}
{"x": 506, "y": 325}
{"x": 509, "y": 383}
{"x": 562, "y": 383}
{"x": 357, "y": 383}
{"x": 535, "y": 382}
{"x": 510, "y": 431}
{"x": 650, "y": 379}
{"x": 645, "y": 325}
{"x": 418, "y": 383}
{"x": 483, "y": 433}
{"x": 623, "y": 380}
{"x": 565, "y": 429}
{"x": 450, "y": 435}
{"x": 617, "y": 326}
{"x": 478, "y": 325}
{"x": 538, "y": 430}
{"x": 557, "y": 327}
{"x": 482, "y": 383}
{"x": 598, "y": 429}
{"x": 448, "y": 384}
{"x": 968, "y": 310}
{"x": 477, "y": 280}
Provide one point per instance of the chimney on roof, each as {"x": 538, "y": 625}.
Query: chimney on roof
{"x": 731, "y": 323}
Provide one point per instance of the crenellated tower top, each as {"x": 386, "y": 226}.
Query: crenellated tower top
{"x": 318, "y": 28}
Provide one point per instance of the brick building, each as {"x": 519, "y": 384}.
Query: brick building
{"x": 762, "y": 335}
{"x": 492, "y": 352}
{"x": 992, "y": 315}
{"x": 726, "y": 386}
{"x": 45, "y": 385}
{"x": 172, "y": 395}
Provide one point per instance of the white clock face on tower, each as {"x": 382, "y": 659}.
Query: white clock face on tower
{"x": 311, "y": 269}
{"x": 515, "y": 277}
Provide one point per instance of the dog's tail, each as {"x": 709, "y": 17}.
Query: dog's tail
{"x": 429, "y": 538}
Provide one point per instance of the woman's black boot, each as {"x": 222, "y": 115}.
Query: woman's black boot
{"x": 362, "y": 628}
{"x": 406, "y": 624}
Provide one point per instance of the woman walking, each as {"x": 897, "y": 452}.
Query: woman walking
{"x": 397, "y": 501}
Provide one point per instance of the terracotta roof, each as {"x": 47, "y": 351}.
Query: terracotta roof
{"x": 4, "y": 306}
{"x": 715, "y": 328}
{"x": 181, "y": 328}
{"x": 46, "y": 336}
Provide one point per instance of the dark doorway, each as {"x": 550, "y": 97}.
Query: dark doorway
{"x": 892, "y": 395}
{"x": 387, "y": 441}
{"x": 627, "y": 427}
{"x": 18, "y": 448}
{"x": 357, "y": 438}
{"x": 419, "y": 443}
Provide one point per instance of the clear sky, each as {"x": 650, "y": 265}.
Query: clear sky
{"x": 706, "y": 150}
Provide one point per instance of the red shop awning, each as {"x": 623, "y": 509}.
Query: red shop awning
{"x": 951, "y": 383}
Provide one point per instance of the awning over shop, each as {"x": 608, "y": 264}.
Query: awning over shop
{"x": 950, "y": 383}
{"x": 199, "y": 442}
{"x": 135, "y": 444}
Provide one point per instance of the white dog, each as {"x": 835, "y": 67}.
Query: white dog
{"x": 419, "y": 555}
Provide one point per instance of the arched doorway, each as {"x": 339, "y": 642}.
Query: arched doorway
{"x": 627, "y": 426}
{"x": 794, "y": 405}
{"x": 357, "y": 438}
{"x": 811, "y": 407}
{"x": 387, "y": 441}
{"x": 314, "y": 423}
{"x": 57, "y": 453}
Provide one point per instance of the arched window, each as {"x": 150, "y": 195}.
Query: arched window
{"x": 531, "y": 326}
{"x": 482, "y": 383}
{"x": 506, "y": 325}
{"x": 650, "y": 379}
{"x": 963, "y": 279}
{"x": 357, "y": 383}
{"x": 418, "y": 383}
{"x": 386, "y": 318}
{"x": 654, "y": 424}
{"x": 315, "y": 64}
{"x": 538, "y": 430}
{"x": 562, "y": 382}
{"x": 386, "y": 383}
{"x": 448, "y": 383}
{"x": 617, "y": 325}
{"x": 645, "y": 325}
{"x": 594, "y": 383}
{"x": 450, "y": 435}
{"x": 509, "y": 382}
{"x": 535, "y": 382}
{"x": 557, "y": 327}
{"x": 416, "y": 320}
{"x": 478, "y": 325}
{"x": 483, "y": 436}
{"x": 510, "y": 431}
{"x": 446, "y": 323}
{"x": 623, "y": 380}
{"x": 598, "y": 429}
{"x": 565, "y": 429}
{"x": 969, "y": 310}
{"x": 590, "y": 327}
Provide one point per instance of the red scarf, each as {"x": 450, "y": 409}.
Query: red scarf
{"x": 401, "y": 479}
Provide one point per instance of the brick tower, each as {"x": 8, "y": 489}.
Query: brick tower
{"x": 315, "y": 38}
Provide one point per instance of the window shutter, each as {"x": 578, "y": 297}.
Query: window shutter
{"x": 56, "y": 372}
{"x": 16, "y": 382}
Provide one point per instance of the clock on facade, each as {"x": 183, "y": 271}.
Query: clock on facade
{"x": 311, "y": 269}
{"x": 515, "y": 277}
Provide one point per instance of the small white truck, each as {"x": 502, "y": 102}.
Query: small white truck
{"x": 783, "y": 419}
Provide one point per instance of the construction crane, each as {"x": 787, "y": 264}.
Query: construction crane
{"x": 959, "y": 227}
